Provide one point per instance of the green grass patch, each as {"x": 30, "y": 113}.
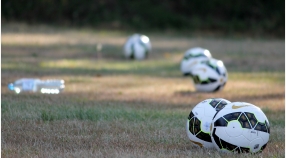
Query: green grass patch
{"x": 258, "y": 77}
{"x": 94, "y": 113}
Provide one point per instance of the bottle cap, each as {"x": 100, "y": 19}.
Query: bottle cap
{"x": 11, "y": 86}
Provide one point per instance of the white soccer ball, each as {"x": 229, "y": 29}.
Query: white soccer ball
{"x": 209, "y": 76}
{"x": 192, "y": 57}
{"x": 137, "y": 47}
{"x": 240, "y": 127}
{"x": 199, "y": 121}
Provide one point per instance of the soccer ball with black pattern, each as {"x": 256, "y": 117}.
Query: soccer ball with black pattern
{"x": 199, "y": 121}
{"x": 240, "y": 127}
{"x": 209, "y": 76}
{"x": 192, "y": 57}
{"x": 137, "y": 47}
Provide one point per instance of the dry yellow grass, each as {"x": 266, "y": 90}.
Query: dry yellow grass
{"x": 113, "y": 107}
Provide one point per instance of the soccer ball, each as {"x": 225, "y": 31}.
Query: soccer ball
{"x": 192, "y": 57}
{"x": 209, "y": 76}
{"x": 199, "y": 121}
{"x": 137, "y": 47}
{"x": 240, "y": 127}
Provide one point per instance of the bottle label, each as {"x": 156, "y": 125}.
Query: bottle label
{"x": 28, "y": 85}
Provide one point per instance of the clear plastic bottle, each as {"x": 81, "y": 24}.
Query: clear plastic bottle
{"x": 52, "y": 86}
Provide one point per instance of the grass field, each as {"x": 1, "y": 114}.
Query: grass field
{"x": 113, "y": 107}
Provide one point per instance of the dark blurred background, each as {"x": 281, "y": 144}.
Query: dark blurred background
{"x": 250, "y": 17}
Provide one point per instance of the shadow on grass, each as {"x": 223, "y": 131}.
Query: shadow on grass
{"x": 76, "y": 51}
{"x": 233, "y": 98}
{"x": 131, "y": 68}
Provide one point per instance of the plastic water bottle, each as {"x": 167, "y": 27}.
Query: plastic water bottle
{"x": 52, "y": 86}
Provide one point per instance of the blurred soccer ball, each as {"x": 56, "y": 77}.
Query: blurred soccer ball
{"x": 192, "y": 57}
{"x": 240, "y": 127}
{"x": 199, "y": 121}
{"x": 137, "y": 47}
{"x": 209, "y": 76}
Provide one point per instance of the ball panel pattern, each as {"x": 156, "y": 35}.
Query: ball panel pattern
{"x": 252, "y": 119}
{"x": 216, "y": 139}
{"x": 194, "y": 124}
{"x": 197, "y": 80}
{"x": 146, "y": 49}
{"x": 191, "y": 115}
{"x": 232, "y": 116}
{"x": 221, "y": 122}
{"x": 200, "y": 118}
{"x": 191, "y": 127}
{"x": 228, "y": 146}
{"x": 137, "y": 47}
{"x": 262, "y": 127}
{"x": 192, "y": 57}
{"x": 244, "y": 117}
{"x": 188, "y": 56}
{"x": 244, "y": 150}
{"x": 132, "y": 55}
{"x": 218, "y": 104}
{"x": 215, "y": 68}
{"x": 218, "y": 88}
{"x": 209, "y": 76}
{"x": 204, "y": 136}
{"x": 244, "y": 121}
{"x": 214, "y": 102}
